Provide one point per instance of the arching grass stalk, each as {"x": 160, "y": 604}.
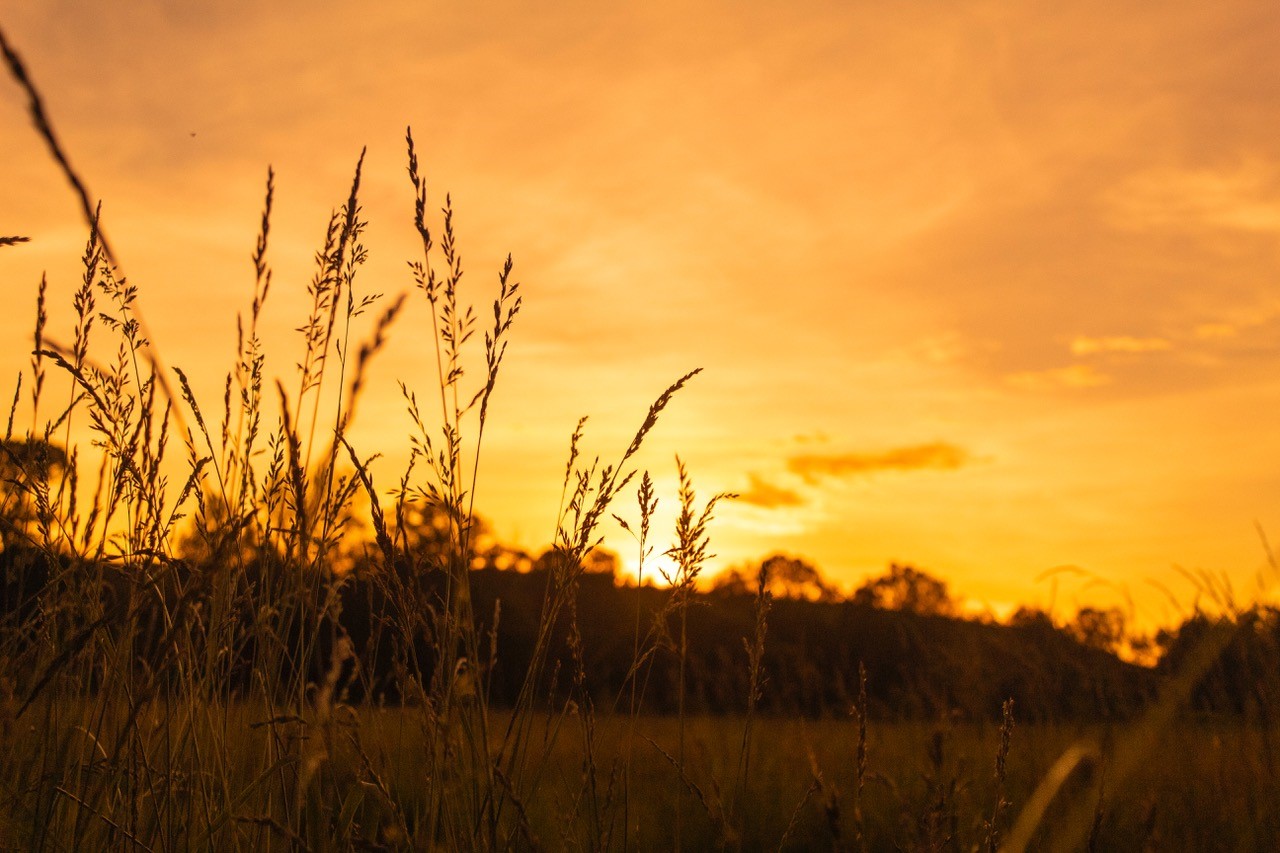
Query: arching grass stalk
{"x": 648, "y": 505}
{"x": 689, "y": 553}
{"x": 456, "y": 691}
{"x": 755, "y": 684}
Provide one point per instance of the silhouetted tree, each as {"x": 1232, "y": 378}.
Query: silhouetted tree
{"x": 429, "y": 537}
{"x": 1099, "y": 628}
{"x": 28, "y": 469}
{"x": 788, "y": 577}
{"x": 907, "y": 589}
{"x": 733, "y": 581}
{"x": 597, "y": 561}
{"x": 1031, "y": 617}
{"x": 1242, "y": 676}
{"x": 429, "y": 532}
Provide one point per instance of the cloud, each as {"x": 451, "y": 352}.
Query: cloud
{"x": 945, "y": 348}
{"x": 1084, "y": 345}
{"x": 937, "y": 456}
{"x": 767, "y": 495}
{"x": 1073, "y": 376}
{"x": 1215, "y": 331}
{"x": 1242, "y": 198}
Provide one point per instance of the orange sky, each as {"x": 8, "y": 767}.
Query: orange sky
{"x": 985, "y": 287}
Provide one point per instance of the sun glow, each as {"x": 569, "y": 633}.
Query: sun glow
{"x": 1010, "y": 344}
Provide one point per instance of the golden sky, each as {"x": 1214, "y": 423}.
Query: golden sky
{"x": 990, "y": 288}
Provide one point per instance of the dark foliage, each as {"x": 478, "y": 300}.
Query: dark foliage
{"x": 919, "y": 665}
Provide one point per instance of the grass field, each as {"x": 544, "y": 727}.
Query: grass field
{"x": 176, "y": 671}
{"x": 359, "y": 782}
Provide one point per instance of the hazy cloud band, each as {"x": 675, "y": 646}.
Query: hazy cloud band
{"x": 938, "y": 456}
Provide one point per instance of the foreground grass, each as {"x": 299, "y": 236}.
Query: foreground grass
{"x": 1212, "y": 785}
{"x": 175, "y": 669}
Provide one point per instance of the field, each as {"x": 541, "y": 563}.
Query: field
{"x": 181, "y": 668}
{"x": 358, "y": 782}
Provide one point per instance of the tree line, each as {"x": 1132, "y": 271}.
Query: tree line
{"x": 921, "y": 656}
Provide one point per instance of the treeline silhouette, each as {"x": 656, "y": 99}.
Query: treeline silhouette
{"x": 921, "y": 656}
{"x": 922, "y": 659}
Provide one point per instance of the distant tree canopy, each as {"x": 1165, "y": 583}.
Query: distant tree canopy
{"x": 736, "y": 580}
{"x": 788, "y": 577}
{"x": 902, "y": 588}
{"x": 1031, "y": 617}
{"x": 1099, "y": 628}
{"x": 428, "y": 530}
{"x": 597, "y": 561}
{"x": 428, "y": 534}
{"x": 784, "y": 577}
{"x": 31, "y": 458}
{"x": 918, "y": 665}
{"x": 907, "y": 589}
{"x": 27, "y": 468}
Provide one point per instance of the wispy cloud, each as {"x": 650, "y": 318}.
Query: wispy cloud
{"x": 767, "y": 495}
{"x": 938, "y": 456}
{"x": 1085, "y": 345}
{"x": 1215, "y": 331}
{"x": 1073, "y": 376}
{"x": 1243, "y": 198}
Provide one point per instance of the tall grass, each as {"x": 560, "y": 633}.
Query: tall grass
{"x": 178, "y": 669}
{"x": 180, "y": 648}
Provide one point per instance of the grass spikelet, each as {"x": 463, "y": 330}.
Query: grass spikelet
{"x": 1001, "y": 770}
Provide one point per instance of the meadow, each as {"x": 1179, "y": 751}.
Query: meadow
{"x": 180, "y": 669}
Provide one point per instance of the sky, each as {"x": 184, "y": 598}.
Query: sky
{"x": 992, "y": 289}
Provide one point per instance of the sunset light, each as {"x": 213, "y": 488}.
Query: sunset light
{"x": 988, "y": 290}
